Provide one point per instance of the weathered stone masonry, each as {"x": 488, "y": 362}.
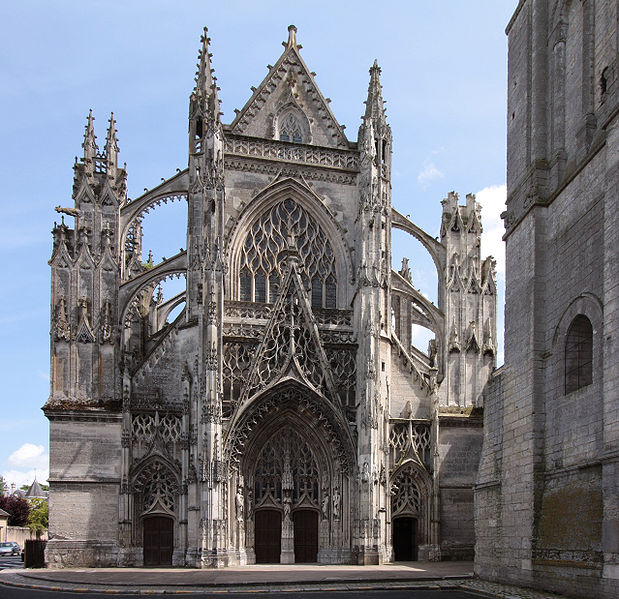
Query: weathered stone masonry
{"x": 547, "y": 502}
{"x": 284, "y": 414}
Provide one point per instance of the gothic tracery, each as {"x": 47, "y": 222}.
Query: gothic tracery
{"x": 285, "y": 226}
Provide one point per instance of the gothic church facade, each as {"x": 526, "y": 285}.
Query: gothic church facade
{"x": 283, "y": 415}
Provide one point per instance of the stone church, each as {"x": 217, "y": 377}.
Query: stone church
{"x": 284, "y": 415}
{"x": 547, "y": 498}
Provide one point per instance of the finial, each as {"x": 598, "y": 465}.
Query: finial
{"x": 204, "y": 78}
{"x": 292, "y": 37}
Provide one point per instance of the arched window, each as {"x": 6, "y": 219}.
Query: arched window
{"x": 289, "y": 129}
{"x": 287, "y": 225}
{"x": 578, "y": 354}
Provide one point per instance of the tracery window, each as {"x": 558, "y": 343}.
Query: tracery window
{"x": 286, "y": 454}
{"x": 406, "y": 495}
{"x": 289, "y": 129}
{"x": 158, "y": 487}
{"x": 284, "y": 225}
{"x": 578, "y": 354}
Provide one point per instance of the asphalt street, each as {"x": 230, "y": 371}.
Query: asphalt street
{"x": 15, "y": 593}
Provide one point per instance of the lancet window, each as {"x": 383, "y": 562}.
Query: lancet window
{"x": 579, "y": 354}
{"x": 290, "y": 130}
{"x": 287, "y": 225}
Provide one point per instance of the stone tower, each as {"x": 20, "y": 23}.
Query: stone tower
{"x": 547, "y": 493}
{"x": 283, "y": 415}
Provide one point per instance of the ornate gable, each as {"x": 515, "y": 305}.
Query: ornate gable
{"x": 291, "y": 348}
{"x": 288, "y": 105}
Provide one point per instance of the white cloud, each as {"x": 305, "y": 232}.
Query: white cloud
{"x": 492, "y": 200}
{"x": 25, "y": 463}
{"x": 429, "y": 173}
{"x": 29, "y": 456}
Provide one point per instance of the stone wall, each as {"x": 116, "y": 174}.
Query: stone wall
{"x": 84, "y": 484}
{"x": 546, "y": 495}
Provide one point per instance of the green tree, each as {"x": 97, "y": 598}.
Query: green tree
{"x": 4, "y": 488}
{"x": 38, "y": 520}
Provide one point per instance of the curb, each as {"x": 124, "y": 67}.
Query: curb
{"x": 429, "y": 584}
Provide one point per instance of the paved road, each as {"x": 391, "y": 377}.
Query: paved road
{"x": 10, "y": 561}
{"x": 14, "y": 593}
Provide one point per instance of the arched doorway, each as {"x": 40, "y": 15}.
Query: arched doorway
{"x": 305, "y": 536}
{"x": 404, "y": 539}
{"x": 268, "y": 535}
{"x": 410, "y": 515}
{"x": 158, "y": 540}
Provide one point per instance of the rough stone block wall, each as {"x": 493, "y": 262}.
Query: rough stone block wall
{"x": 460, "y": 450}
{"x": 85, "y": 511}
{"x": 546, "y": 499}
{"x": 84, "y": 484}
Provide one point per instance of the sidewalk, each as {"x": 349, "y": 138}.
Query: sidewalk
{"x": 266, "y": 578}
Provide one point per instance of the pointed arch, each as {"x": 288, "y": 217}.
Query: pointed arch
{"x": 310, "y": 408}
{"x": 411, "y": 492}
{"x": 155, "y": 483}
{"x": 316, "y": 221}
{"x": 291, "y": 124}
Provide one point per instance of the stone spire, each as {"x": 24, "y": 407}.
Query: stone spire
{"x": 90, "y": 143}
{"x": 206, "y": 82}
{"x": 111, "y": 146}
{"x": 374, "y": 105}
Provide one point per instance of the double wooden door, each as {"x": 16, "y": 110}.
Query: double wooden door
{"x": 268, "y": 536}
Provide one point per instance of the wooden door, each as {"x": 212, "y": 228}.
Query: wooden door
{"x": 404, "y": 539}
{"x": 305, "y": 536}
{"x": 268, "y": 536}
{"x": 158, "y": 541}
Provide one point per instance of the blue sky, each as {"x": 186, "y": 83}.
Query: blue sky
{"x": 443, "y": 75}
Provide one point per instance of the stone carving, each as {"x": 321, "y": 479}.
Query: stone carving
{"x": 62, "y": 328}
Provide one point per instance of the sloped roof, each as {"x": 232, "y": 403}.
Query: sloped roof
{"x": 289, "y": 84}
{"x": 35, "y": 490}
{"x": 3, "y": 513}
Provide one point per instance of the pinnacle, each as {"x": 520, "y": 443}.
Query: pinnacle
{"x": 374, "y": 105}
{"x": 204, "y": 75}
{"x": 89, "y": 144}
{"x": 111, "y": 143}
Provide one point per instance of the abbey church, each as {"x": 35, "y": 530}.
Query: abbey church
{"x": 282, "y": 415}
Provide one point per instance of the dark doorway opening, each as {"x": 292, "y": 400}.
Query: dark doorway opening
{"x": 158, "y": 541}
{"x": 268, "y": 536}
{"x": 305, "y": 536}
{"x": 404, "y": 539}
